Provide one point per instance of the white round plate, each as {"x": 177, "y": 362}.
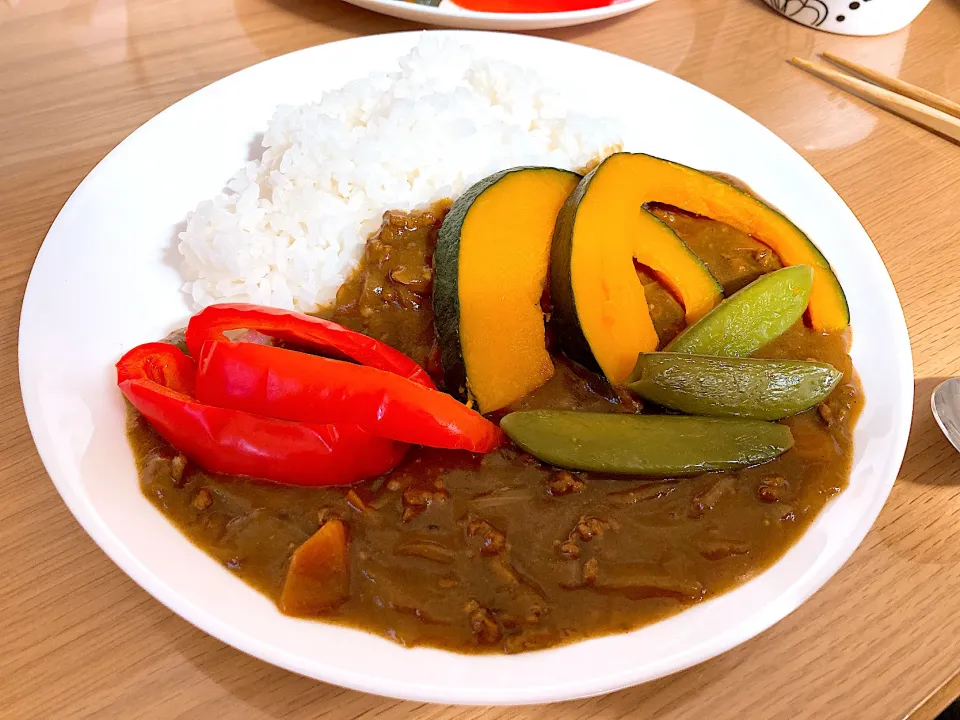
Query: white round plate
{"x": 451, "y": 15}
{"x": 106, "y": 279}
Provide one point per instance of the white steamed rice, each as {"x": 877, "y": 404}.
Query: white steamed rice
{"x": 292, "y": 225}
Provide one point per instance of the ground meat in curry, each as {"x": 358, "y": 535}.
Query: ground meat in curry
{"x": 500, "y": 553}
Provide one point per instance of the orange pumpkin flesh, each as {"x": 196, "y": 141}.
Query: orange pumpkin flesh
{"x": 496, "y": 239}
{"x": 603, "y": 227}
{"x": 651, "y": 179}
{"x": 598, "y": 299}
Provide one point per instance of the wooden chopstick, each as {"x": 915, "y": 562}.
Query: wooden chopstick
{"x": 912, "y": 110}
{"x": 897, "y": 85}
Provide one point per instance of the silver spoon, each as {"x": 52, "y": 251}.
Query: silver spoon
{"x": 945, "y": 403}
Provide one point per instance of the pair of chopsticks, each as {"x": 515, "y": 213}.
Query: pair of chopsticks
{"x": 927, "y": 109}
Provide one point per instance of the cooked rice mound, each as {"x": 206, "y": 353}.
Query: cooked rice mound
{"x": 292, "y": 225}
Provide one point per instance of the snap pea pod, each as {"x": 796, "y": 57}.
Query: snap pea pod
{"x": 650, "y": 445}
{"x": 751, "y": 317}
{"x": 745, "y": 387}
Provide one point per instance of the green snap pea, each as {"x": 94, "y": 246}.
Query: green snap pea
{"x": 753, "y": 388}
{"x": 751, "y": 317}
{"x": 649, "y": 445}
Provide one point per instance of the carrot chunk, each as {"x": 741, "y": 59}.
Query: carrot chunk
{"x": 317, "y": 579}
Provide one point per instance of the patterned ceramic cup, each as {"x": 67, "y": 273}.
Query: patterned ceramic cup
{"x": 851, "y": 17}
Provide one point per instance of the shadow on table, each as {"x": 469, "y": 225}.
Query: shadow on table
{"x": 343, "y": 16}
{"x": 932, "y": 459}
{"x": 952, "y": 712}
{"x": 918, "y": 523}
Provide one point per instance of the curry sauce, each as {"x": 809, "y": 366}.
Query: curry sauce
{"x": 498, "y": 552}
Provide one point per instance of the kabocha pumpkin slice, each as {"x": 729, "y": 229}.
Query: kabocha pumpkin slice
{"x": 490, "y": 267}
{"x": 598, "y": 301}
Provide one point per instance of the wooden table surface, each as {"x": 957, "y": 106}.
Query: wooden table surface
{"x": 880, "y": 640}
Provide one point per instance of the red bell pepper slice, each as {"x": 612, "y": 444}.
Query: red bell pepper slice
{"x": 282, "y": 383}
{"x": 305, "y": 330}
{"x": 158, "y": 379}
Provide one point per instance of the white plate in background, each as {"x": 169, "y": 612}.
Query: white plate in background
{"x": 451, "y": 15}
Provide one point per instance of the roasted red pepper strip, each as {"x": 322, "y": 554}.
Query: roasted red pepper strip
{"x": 305, "y": 330}
{"x": 282, "y": 383}
{"x": 157, "y": 378}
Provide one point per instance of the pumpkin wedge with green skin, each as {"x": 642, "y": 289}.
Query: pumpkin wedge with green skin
{"x": 598, "y": 302}
{"x": 490, "y": 268}
{"x": 599, "y": 305}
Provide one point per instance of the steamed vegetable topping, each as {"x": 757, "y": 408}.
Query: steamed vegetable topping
{"x": 287, "y": 416}
{"x": 333, "y": 405}
{"x": 158, "y": 380}
{"x": 642, "y": 179}
{"x": 490, "y": 267}
{"x": 598, "y": 300}
{"x": 753, "y": 388}
{"x": 657, "y": 445}
{"x": 604, "y": 228}
{"x": 280, "y": 383}
{"x": 303, "y": 331}
{"x": 750, "y": 318}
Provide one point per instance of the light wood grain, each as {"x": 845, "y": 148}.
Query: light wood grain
{"x": 82, "y": 640}
{"x": 917, "y": 112}
{"x": 896, "y": 85}
{"x": 932, "y": 705}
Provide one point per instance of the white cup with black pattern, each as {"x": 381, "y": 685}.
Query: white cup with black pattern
{"x": 851, "y": 17}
